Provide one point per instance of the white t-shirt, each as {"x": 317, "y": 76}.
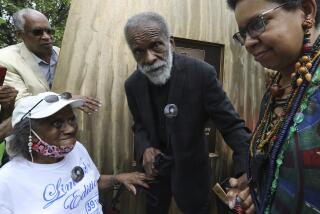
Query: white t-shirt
{"x": 27, "y": 187}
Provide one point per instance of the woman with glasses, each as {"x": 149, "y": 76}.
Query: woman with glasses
{"x": 284, "y": 161}
{"x": 50, "y": 171}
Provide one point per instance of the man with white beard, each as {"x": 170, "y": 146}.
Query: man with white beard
{"x": 171, "y": 97}
{"x": 159, "y": 72}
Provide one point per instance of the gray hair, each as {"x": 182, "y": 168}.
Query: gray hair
{"x": 19, "y": 17}
{"x": 142, "y": 18}
{"x": 18, "y": 145}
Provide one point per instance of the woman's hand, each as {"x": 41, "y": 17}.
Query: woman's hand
{"x": 131, "y": 179}
{"x": 240, "y": 192}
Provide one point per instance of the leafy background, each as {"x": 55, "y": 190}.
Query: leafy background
{"x": 55, "y": 10}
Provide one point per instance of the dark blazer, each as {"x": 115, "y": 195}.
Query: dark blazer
{"x": 199, "y": 97}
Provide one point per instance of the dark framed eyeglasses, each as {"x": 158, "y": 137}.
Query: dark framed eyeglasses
{"x": 40, "y": 31}
{"x": 52, "y": 98}
{"x": 255, "y": 27}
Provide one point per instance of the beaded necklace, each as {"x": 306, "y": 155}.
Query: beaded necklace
{"x": 266, "y": 131}
{"x": 268, "y": 140}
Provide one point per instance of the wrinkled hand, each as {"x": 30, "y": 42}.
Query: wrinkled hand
{"x": 239, "y": 188}
{"x": 148, "y": 160}
{"x": 133, "y": 178}
{"x": 90, "y": 104}
{"x": 8, "y": 95}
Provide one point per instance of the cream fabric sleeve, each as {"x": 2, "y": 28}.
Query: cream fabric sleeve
{"x": 14, "y": 79}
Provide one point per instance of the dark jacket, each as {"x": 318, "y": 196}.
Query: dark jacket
{"x": 197, "y": 93}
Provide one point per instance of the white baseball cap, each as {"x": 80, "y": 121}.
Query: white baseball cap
{"x": 42, "y": 105}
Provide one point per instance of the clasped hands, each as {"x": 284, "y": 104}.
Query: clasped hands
{"x": 240, "y": 192}
{"x": 239, "y": 186}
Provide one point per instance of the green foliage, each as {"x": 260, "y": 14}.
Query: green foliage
{"x": 55, "y": 10}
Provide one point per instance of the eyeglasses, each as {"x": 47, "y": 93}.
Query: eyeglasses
{"x": 40, "y": 31}
{"x": 50, "y": 99}
{"x": 255, "y": 27}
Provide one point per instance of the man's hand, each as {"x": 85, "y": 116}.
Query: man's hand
{"x": 148, "y": 160}
{"x": 90, "y": 104}
{"x": 7, "y": 96}
{"x": 240, "y": 191}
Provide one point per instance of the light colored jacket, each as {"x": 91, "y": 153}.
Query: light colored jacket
{"x": 23, "y": 72}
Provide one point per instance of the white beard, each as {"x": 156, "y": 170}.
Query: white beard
{"x": 160, "y": 72}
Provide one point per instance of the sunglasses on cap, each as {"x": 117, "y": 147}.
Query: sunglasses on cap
{"x": 52, "y": 98}
{"x": 40, "y": 31}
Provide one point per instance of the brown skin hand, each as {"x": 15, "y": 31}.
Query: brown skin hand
{"x": 128, "y": 179}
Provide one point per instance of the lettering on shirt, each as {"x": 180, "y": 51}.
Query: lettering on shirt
{"x": 71, "y": 192}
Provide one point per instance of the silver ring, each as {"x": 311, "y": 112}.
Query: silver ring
{"x": 238, "y": 199}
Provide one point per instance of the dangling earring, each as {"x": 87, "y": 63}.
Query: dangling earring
{"x": 305, "y": 62}
{"x": 30, "y": 144}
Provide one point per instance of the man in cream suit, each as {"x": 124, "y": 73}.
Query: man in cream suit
{"x": 31, "y": 64}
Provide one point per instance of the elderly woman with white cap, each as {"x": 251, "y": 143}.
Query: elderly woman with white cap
{"x": 50, "y": 171}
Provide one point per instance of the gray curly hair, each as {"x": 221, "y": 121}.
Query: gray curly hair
{"x": 144, "y": 17}
{"x": 18, "y": 144}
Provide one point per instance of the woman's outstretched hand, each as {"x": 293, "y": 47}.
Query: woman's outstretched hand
{"x": 133, "y": 178}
